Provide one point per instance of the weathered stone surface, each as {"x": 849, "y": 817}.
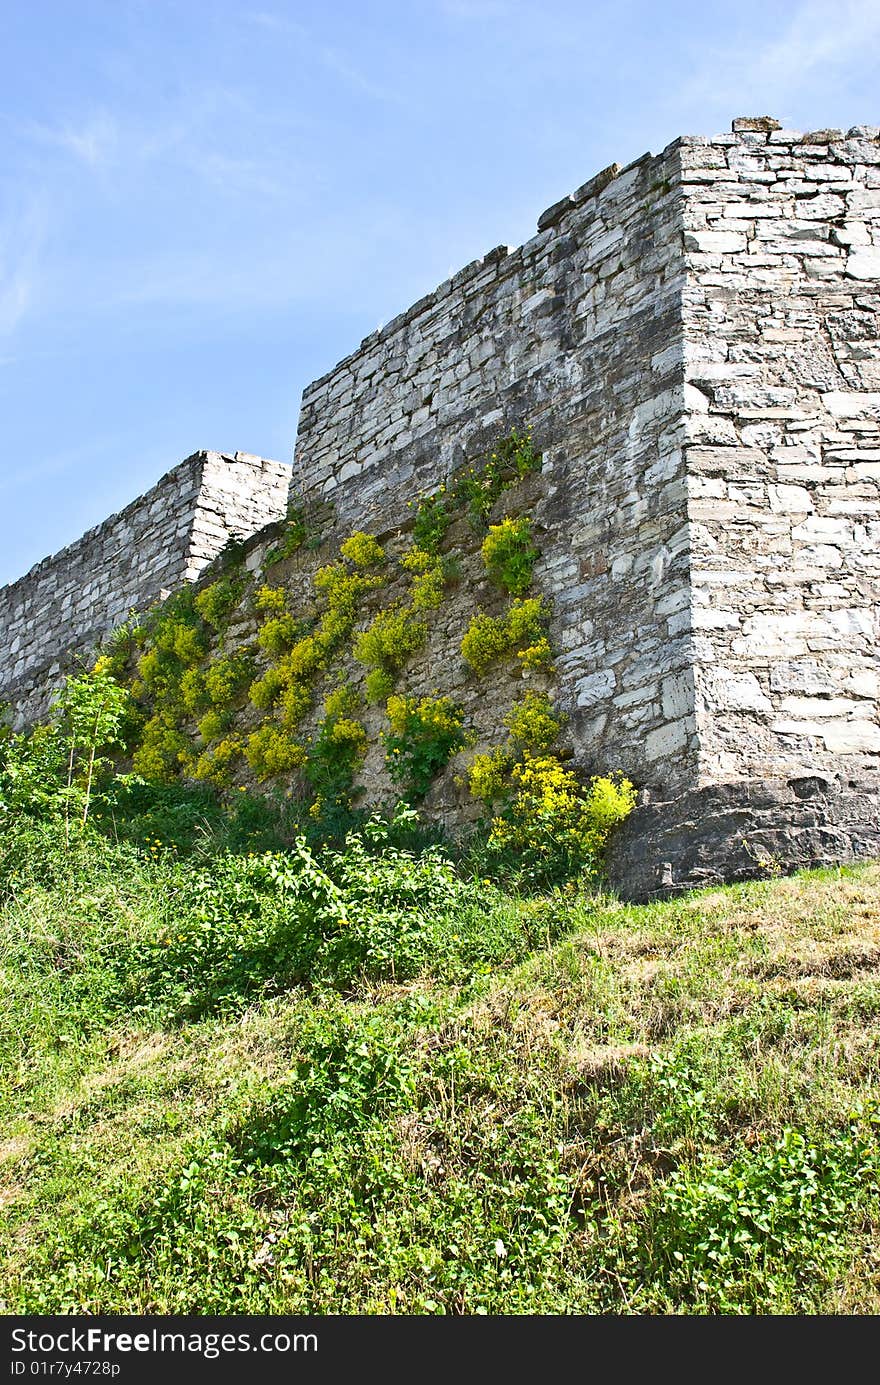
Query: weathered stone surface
{"x": 744, "y": 831}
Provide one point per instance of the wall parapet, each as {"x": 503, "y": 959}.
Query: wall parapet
{"x": 67, "y": 602}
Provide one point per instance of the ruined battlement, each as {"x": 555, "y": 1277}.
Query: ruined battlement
{"x": 67, "y": 603}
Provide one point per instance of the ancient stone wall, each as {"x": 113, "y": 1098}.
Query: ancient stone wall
{"x": 577, "y": 335}
{"x": 781, "y": 322}
{"x": 66, "y": 603}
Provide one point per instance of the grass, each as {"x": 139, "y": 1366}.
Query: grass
{"x": 453, "y": 1100}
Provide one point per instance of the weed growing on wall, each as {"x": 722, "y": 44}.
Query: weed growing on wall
{"x": 293, "y": 537}
{"x": 475, "y": 489}
{"x": 428, "y": 572}
{"x": 425, "y": 732}
{"x": 521, "y": 634}
{"x": 390, "y": 641}
{"x": 509, "y": 555}
{"x": 193, "y": 692}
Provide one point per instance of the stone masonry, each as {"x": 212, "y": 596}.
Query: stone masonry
{"x": 695, "y": 342}
{"x": 66, "y": 603}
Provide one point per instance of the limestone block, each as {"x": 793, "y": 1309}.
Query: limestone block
{"x": 851, "y": 737}
{"x": 786, "y": 499}
{"x": 864, "y": 263}
{"x": 715, "y": 242}
{"x": 595, "y": 687}
{"x": 733, "y": 690}
{"x": 667, "y": 740}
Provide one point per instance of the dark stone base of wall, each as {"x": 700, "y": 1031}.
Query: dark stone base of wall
{"x": 744, "y": 831}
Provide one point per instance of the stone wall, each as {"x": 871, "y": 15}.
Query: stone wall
{"x": 782, "y": 329}
{"x": 576, "y": 334}
{"x": 65, "y": 604}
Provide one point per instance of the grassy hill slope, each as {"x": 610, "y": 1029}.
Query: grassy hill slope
{"x": 446, "y": 1099}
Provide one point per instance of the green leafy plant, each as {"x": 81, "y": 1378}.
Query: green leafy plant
{"x": 520, "y": 633}
{"x": 550, "y": 825}
{"x": 434, "y": 514}
{"x": 428, "y": 577}
{"x": 272, "y": 750}
{"x": 509, "y": 555}
{"x": 294, "y": 535}
{"x": 216, "y": 602}
{"x": 363, "y": 550}
{"x": 393, "y": 637}
{"x": 90, "y": 712}
{"x": 425, "y": 733}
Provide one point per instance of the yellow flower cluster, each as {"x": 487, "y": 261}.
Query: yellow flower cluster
{"x": 522, "y": 632}
{"x": 427, "y": 578}
{"x": 363, "y": 550}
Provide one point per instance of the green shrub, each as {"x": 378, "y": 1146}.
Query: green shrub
{"x": 428, "y": 576}
{"x": 294, "y": 535}
{"x": 216, "y": 602}
{"x": 217, "y": 762}
{"x": 378, "y": 685}
{"x": 550, "y": 826}
{"x": 212, "y": 725}
{"x": 163, "y": 748}
{"x": 533, "y": 724}
{"x": 272, "y": 750}
{"x": 509, "y": 555}
{"x": 480, "y": 486}
{"x": 270, "y": 601}
{"x": 425, "y": 733}
{"x": 279, "y": 634}
{"x": 363, "y": 550}
{"x": 335, "y": 755}
{"x": 226, "y": 679}
{"x": 522, "y": 632}
{"x": 395, "y": 634}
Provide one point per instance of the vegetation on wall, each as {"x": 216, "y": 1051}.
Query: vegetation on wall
{"x": 227, "y": 681}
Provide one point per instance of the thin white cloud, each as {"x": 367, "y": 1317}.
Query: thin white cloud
{"x": 94, "y": 142}
{"x": 475, "y": 9}
{"x": 818, "y": 38}
{"x": 22, "y": 235}
{"x": 331, "y": 58}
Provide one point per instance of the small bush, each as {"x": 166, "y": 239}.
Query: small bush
{"x": 509, "y": 555}
{"x": 215, "y": 764}
{"x": 226, "y": 679}
{"x": 272, "y": 750}
{"x": 279, "y": 634}
{"x": 521, "y": 633}
{"x": 434, "y": 514}
{"x": 488, "y": 775}
{"x": 549, "y": 825}
{"x": 335, "y": 755}
{"x": 533, "y": 724}
{"x": 215, "y": 603}
{"x": 270, "y": 601}
{"x": 395, "y": 634}
{"x": 378, "y": 685}
{"x": 295, "y": 534}
{"x": 425, "y": 733}
{"x": 427, "y": 578}
{"x": 363, "y": 550}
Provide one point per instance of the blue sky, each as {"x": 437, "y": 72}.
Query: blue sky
{"x": 204, "y": 205}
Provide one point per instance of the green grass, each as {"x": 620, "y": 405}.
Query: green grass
{"x": 357, "y": 1082}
